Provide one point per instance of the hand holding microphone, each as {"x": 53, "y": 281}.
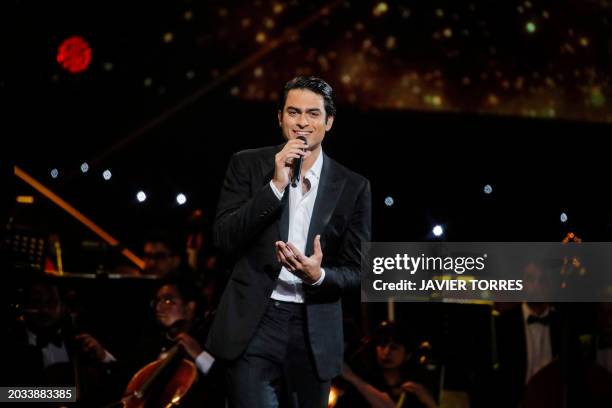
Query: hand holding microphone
{"x": 288, "y": 162}
{"x": 297, "y": 166}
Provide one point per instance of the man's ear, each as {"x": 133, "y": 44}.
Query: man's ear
{"x": 328, "y": 123}
{"x": 191, "y": 308}
{"x": 279, "y": 115}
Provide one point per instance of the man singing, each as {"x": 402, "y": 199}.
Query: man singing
{"x": 295, "y": 252}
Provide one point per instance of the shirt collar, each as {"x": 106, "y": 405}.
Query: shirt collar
{"x": 528, "y": 312}
{"x": 315, "y": 170}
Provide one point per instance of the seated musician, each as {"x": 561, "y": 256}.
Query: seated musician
{"x": 395, "y": 380}
{"x": 181, "y": 319}
{"x": 163, "y": 254}
{"x": 43, "y": 349}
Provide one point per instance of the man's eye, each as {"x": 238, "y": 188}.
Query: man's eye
{"x": 315, "y": 114}
{"x": 292, "y": 113}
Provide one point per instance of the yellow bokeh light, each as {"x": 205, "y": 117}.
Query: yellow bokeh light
{"x": 278, "y": 8}
{"x": 380, "y": 9}
{"x": 168, "y": 37}
{"x": 260, "y": 37}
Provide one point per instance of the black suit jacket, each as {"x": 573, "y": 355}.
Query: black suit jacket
{"x": 512, "y": 354}
{"x": 250, "y": 218}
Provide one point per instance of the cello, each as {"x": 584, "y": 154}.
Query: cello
{"x": 164, "y": 382}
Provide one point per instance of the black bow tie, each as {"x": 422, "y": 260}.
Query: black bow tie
{"x": 43, "y": 340}
{"x": 545, "y": 320}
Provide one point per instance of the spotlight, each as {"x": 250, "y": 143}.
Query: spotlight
{"x": 563, "y": 217}
{"x": 488, "y": 189}
{"x": 389, "y": 201}
{"x": 181, "y": 199}
{"x": 141, "y": 196}
{"x": 107, "y": 174}
{"x": 84, "y": 167}
{"x": 438, "y": 230}
{"x": 54, "y": 173}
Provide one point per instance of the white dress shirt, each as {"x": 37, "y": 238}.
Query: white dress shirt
{"x": 51, "y": 354}
{"x": 204, "y": 362}
{"x": 604, "y": 358}
{"x": 537, "y": 337}
{"x": 289, "y": 286}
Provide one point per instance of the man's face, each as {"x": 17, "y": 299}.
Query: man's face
{"x": 535, "y": 281}
{"x": 158, "y": 259}
{"x": 45, "y": 304}
{"x": 170, "y": 307}
{"x": 304, "y": 115}
{"x": 391, "y": 355}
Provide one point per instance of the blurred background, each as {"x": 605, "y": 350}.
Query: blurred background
{"x": 474, "y": 121}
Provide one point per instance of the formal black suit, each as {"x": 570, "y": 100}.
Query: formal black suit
{"x": 512, "y": 355}
{"x": 23, "y": 365}
{"x": 250, "y": 219}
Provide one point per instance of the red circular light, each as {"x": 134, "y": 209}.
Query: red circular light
{"x": 74, "y": 54}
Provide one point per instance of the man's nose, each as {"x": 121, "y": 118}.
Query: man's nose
{"x": 302, "y": 121}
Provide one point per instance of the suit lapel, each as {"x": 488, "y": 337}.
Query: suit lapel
{"x": 330, "y": 189}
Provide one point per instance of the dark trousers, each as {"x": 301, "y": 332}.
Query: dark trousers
{"x": 277, "y": 368}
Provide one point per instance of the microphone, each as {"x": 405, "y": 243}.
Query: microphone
{"x": 297, "y": 167}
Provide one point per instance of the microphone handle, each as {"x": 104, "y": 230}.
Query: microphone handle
{"x": 297, "y": 168}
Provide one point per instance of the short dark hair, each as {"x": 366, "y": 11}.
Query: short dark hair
{"x": 390, "y": 332}
{"x": 188, "y": 290}
{"x": 314, "y": 84}
{"x": 186, "y": 286}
